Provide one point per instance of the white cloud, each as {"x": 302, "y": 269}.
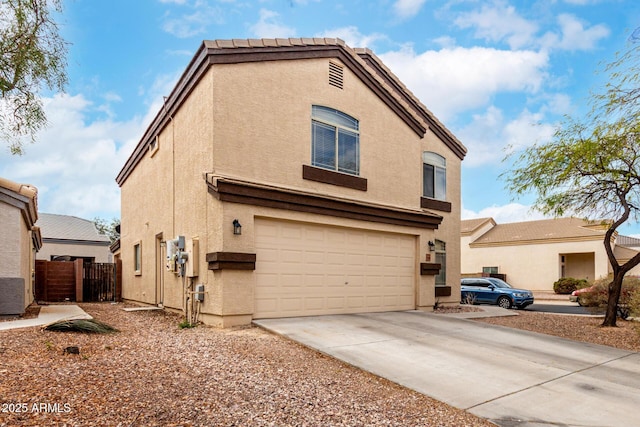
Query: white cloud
{"x": 407, "y": 8}
{"x": 198, "y": 22}
{"x": 511, "y": 212}
{"x": 74, "y": 162}
{"x": 353, "y": 37}
{"x": 575, "y": 34}
{"x": 489, "y": 137}
{"x": 497, "y": 22}
{"x": 268, "y": 26}
{"x": 450, "y": 81}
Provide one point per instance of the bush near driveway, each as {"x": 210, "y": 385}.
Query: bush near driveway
{"x": 629, "y": 303}
{"x": 566, "y": 285}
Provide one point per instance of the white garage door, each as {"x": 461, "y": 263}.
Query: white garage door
{"x": 304, "y": 269}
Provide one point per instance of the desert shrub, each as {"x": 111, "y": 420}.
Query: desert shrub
{"x": 566, "y": 285}
{"x": 629, "y": 302}
{"x": 634, "y": 302}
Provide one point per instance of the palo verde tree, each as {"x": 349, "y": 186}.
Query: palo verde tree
{"x": 591, "y": 167}
{"x": 32, "y": 55}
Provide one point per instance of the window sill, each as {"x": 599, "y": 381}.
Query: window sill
{"x": 443, "y": 291}
{"x": 340, "y": 179}
{"x": 436, "y": 205}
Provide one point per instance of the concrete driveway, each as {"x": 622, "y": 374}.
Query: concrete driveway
{"x": 511, "y": 377}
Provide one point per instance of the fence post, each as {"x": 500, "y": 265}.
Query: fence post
{"x": 118, "y": 289}
{"x": 79, "y": 272}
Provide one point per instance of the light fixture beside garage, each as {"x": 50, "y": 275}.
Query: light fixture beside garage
{"x": 237, "y": 227}
{"x": 432, "y": 246}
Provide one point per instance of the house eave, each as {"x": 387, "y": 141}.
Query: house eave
{"x": 243, "y": 51}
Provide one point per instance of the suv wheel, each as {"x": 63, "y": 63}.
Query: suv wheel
{"x": 504, "y": 302}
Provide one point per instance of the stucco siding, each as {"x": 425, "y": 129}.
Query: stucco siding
{"x": 101, "y": 253}
{"x": 264, "y": 130}
{"x": 168, "y": 187}
{"x": 532, "y": 266}
{"x": 12, "y": 229}
{"x": 251, "y": 122}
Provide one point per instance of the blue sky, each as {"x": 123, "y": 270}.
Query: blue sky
{"x": 498, "y": 74}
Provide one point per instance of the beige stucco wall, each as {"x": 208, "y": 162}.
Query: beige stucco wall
{"x": 253, "y": 121}
{"x": 100, "y": 253}
{"x": 531, "y": 266}
{"x": 16, "y": 257}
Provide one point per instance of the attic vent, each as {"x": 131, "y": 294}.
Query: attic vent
{"x": 336, "y": 75}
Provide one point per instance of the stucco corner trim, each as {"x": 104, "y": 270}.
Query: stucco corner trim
{"x": 429, "y": 268}
{"x": 436, "y": 205}
{"x": 231, "y": 261}
{"x": 313, "y": 173}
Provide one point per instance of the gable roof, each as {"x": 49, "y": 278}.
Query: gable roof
{"x": 21, "y": 196}
{"x": 369, "y": 70}
{"x": 468, "y": 226}
{"x": 546, "y": 230}
{"x": 67, "y": 229}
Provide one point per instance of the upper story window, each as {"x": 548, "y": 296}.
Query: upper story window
{"x": 335, "y": 140}
{"x": 434, "y": 176}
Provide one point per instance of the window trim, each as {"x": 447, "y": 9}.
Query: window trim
{"x": 439, "y": 164}
{"x": 441, "y": 251}
{"x": 323, "y": 115}
{"x": 341, "y": 179}
{"x": 137, "y": 258}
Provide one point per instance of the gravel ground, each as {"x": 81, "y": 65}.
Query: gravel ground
{"x": 152, "y": 373}
{"x": 579, "y": 328}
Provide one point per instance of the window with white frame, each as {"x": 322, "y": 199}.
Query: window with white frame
{"x": 434, "y": 176}
{"x": 137, "y": 258}
{"x": 335, "y": 140}
{"x": 441, "y": 258}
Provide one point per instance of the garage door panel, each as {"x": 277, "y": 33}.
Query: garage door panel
{"x": 304, "y": 269}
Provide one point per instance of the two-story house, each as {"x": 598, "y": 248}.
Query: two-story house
{"x": 305, "y": 179}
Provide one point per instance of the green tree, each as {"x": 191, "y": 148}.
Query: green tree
{"x": 111, "y": 228}
{"x": 32, "y": 55}
{"x": 591, "y": 167}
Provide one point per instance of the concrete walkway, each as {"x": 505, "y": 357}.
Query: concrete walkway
{"x": 508, "y": 376}
{"x": 48, "y": 314}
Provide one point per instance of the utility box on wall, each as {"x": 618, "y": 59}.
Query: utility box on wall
{"x": 12, "y": 291}
{"x": 192, "y": 249}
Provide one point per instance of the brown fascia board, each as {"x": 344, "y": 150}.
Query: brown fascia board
{"x": 434, "y": 124}
{"x": 236, "y": 52}
{"x": 233, "y": 191}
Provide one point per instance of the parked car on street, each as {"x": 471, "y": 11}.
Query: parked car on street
{"x": 575, "y": 295}
{"x": 490, "y": 290}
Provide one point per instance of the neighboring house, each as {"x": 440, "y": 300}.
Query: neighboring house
{"x": 20, "y": 241}
{"x": 67, "y": 238}
{"x": 306, "y": 180}
{"x": 535, "y": 254}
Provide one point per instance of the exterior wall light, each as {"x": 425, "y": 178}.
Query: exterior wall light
{"x": 237, "y": 227}
{"x": 432, "y": 246}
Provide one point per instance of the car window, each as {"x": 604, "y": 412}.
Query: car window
{"x": 500, "y": 283}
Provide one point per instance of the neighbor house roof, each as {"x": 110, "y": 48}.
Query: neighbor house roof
{"x": 21, "y": 196}
{"x": 547, "y": 230}
{"x": 628, "y": 241}
{"x": 361, "y": 62}
{"x": 69, "y": 229}
{"x": 468, "y": 226}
